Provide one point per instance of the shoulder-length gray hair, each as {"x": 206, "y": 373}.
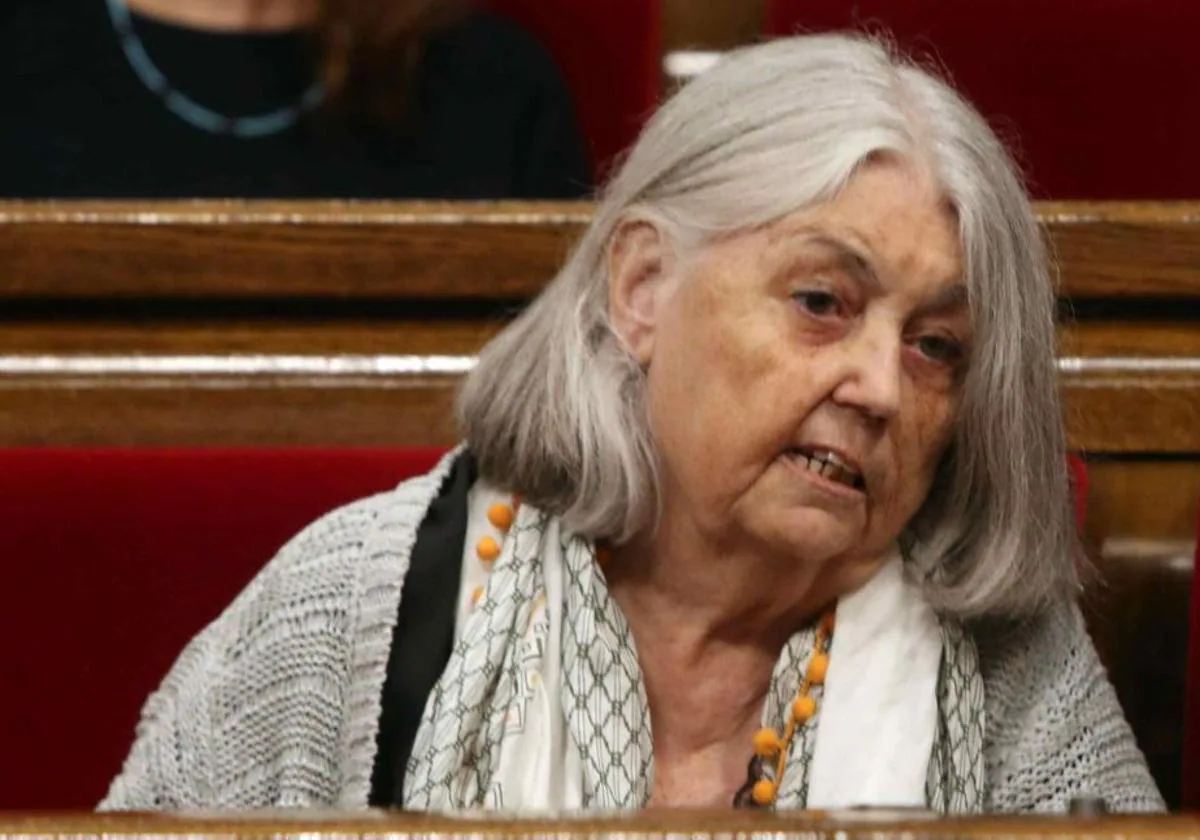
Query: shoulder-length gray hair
{"x": 555, "y": 409}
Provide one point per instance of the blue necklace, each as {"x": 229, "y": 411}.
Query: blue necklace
{"x": 192, "y": 112}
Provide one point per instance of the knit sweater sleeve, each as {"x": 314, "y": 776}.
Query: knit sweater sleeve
{"x": 236, "y": 715}
{"x": 1055, "y": 728}
{"x": 166, "y": 768}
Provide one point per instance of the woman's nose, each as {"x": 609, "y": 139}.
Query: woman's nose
{"x": 871, "y": 377}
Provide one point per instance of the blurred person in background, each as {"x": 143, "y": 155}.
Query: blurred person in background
{"x": 280, "y": 98}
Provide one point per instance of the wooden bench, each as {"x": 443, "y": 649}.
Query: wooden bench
{"x": 348, "y": 324}
{"x": 135, "y": 309}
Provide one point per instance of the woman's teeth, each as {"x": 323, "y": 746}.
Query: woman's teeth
{"x": 827, "y": 466}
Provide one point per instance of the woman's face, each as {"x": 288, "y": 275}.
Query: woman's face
{"x": 803, "y": 378}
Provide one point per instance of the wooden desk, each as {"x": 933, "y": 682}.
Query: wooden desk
{"x": 698, "y": 825}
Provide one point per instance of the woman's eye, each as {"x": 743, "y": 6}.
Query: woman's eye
{"x": 941, "y": 348}
{"x": 818, "y": 303}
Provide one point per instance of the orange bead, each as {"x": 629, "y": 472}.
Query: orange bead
{"x": 764, "y": 792}
{"x": 501, "y": 516}
{"x": 487, "y": 549}
{"x": 803, "y": 708}
{"x": 818, "y": 666}
{"x": 828, "y": 621}
{"x": 476, "y": 595}
{"x": 767, "y": 743}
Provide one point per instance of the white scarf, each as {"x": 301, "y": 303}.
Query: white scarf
{"x": 542, "y": 707}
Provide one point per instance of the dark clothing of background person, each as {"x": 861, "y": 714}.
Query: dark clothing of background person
{"x": 487, "y": 116}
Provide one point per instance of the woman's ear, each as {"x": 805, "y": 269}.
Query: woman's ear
{"x": 640, "y": 260}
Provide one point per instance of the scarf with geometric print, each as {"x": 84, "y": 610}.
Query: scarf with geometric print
{"x": 478, "y": 709}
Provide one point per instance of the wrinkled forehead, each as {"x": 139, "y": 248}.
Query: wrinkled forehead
{"x": 889, "y": 225}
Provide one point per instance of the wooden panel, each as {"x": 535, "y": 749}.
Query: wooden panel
{"x": 1138, "y": 616}
{"x": 268, "y": 399}
{"x": 257, "y": 383}
{"x": 481, "y": 251}
{"x": 213, "y": 411}
{"x": 303, "y": 249}
{"x": 1132, "y": 386}
{"x": 1149, "y": 410}
{"x": 118, "y": 339}
{"x": 1141, "y": 531}
{"x": 700, "y": 824}
{"x": 1155, "y": 500}
{"x": 1122, "y": 250}
{"x": 711, "y": 25}
{"x": 1137, "y": 339}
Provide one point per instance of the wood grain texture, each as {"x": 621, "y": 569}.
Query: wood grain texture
{"x": 649, "y": 825}
{"x": 272, "y": 250}
{"x": 1153, "y": 499}
{"x": 507, "y": 250}
{"x": 1125, "y": 250}
{"x": 1142, "y": 412}
{"x": 276, "y": 406}
{"x": 261, "y": 383}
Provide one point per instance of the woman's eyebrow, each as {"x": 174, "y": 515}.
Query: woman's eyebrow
{"x": 847, "y": 255}
{"x": 855, "y": 260}
{"x": 851, "y": 258}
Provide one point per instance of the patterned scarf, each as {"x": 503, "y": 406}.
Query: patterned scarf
{"x": 473, "y": 739}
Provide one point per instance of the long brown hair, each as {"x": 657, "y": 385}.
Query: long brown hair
{"x": 369, "y": 51}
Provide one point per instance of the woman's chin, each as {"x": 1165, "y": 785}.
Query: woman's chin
{"x": 815, "y": 534}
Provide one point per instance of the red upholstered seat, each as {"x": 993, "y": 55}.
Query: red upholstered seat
{"x": 1191, "y": 711}
{"x": 609, "y": 51}
{"x": 1104, "y": 95}
{"x": 112, "y": 561}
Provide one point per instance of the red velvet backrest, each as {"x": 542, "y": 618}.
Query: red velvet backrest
{"x": 1079, "y": 488}
{"x": 1104, "y": 95}
{"x": 112, "y": 561}
{"x": 1191, "y": 711}
{"x": 610, "y": 53}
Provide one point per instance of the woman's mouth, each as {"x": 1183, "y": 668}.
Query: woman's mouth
{"x": 827, "y": 464}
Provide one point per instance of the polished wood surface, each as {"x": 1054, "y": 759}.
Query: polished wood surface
{"x": 711, "y": 25}
{"x": 652, "y": 824}
{"x": 123, "y": 383}
{"x": 365, "y": 250}
{"x": 232, "y": 249}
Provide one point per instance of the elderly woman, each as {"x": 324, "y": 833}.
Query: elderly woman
{"x": 763, "y": 502}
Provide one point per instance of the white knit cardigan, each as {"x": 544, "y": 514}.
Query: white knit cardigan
{"x": 276, "y": 704}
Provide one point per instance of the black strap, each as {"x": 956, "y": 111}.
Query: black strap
{"x": 424, "y": 631}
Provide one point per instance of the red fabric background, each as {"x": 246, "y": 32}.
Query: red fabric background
{"x": 1104, "y": 95}
{"x": 112, "y": 561}
{"x": 609, "y": 52}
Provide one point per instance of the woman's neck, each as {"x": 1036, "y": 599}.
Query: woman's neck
{"x": 230, "y": 15}
{"x": 705, "y": 693}
{"x": 710, "y": 616}
{"x": 706, "y": 633}
{"x": 719, "y": 592}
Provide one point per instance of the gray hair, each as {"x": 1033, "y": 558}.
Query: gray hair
{"x": 556, "y": 411}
